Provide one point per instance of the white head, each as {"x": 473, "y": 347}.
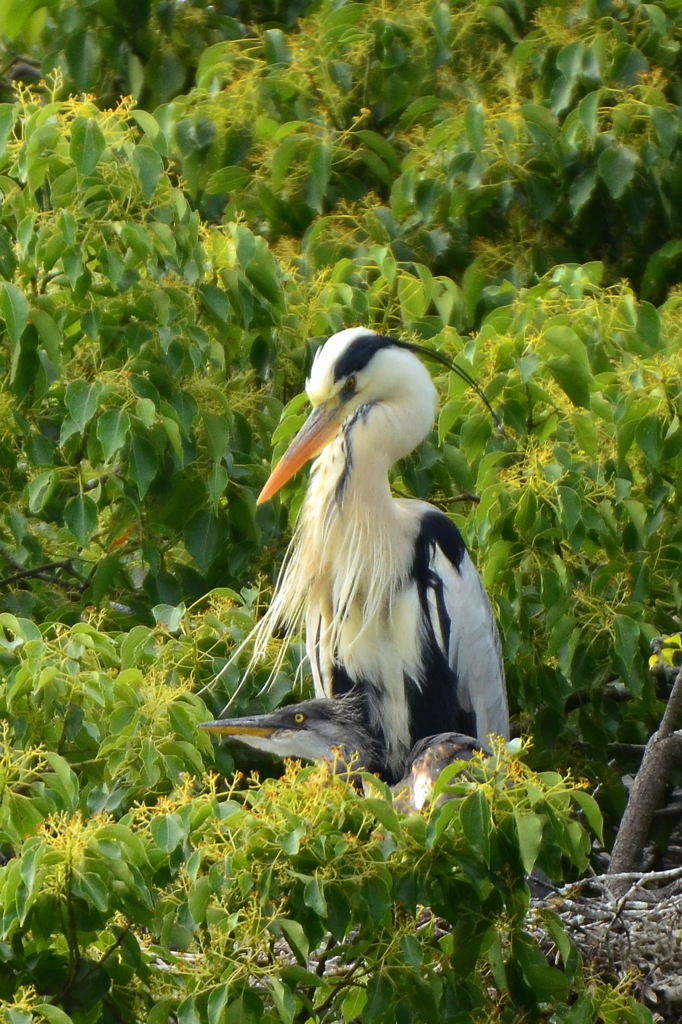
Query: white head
{"x": 356, "y": 369}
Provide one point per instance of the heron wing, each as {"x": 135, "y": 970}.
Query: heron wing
{"x": 459, "y": 620}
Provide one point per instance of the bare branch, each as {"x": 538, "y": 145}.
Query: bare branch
{"x": 41, "y": 573}
{"x": 662, "y": 751}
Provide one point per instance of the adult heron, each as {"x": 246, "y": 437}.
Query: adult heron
{"x": 394, "y": 609}
{"x": 336, "y": 731}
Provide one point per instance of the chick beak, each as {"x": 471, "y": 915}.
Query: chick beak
{"x": 238, "y": 727}
{"x": 314, "y": 435}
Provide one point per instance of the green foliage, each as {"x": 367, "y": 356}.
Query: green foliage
{"x": 215, "y": 908}
{"x": 500, "y": 182}
{"x": 519, "y": 137}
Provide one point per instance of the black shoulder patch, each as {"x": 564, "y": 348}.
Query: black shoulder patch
{"x": 433, "y": 699}
{"x": 359, "y": 353}
{"x": 437, "y": 529}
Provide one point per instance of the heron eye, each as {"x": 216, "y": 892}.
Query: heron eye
{"x": 350, "y": 386}
{"x": 299, "y": 718}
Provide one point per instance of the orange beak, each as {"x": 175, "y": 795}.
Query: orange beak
{"x": 316, "y": 432}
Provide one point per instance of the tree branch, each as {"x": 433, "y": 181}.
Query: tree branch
{"x": 40, "y": 573}
{"x": 662, "y": 751}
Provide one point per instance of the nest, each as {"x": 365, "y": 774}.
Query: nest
{"x": 632, "y": 936}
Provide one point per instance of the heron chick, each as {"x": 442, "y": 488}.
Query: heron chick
{"x": 312, "y": 730}
{"x": 333, "y": 731}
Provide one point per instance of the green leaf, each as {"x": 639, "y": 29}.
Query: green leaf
{"x": 113, "y": 427}
{"x": 80, "y": 515}
{"x": 103, "y": 576}
{"x": 282, "y": 157}
{"x": 472, "y": 285}
{"x": 7, "y": 118}
{"x": 169, "y": 615}
{"x": 586, "y": 433}
{"x": 41, "y": 489}
{"x": 202, "y": 539}
{"x": 161, "y": 1011}
{"x": 14, "y": 309}
{"x": 216, "y": 484}
{"x": 147, "y": 122}
{"x": 246, "y": 1009}
{"x": 377, "y": 895}
{"x": 320, "y": 164}
{"x": 379, "y": 999}
{"x": 498, "y": 17}
{"x": 217, "y": 434}
{"x": 313, "y": 897}
{"x": 83, "y": 54}
{"x": 617, "y": 168}
{"x": 90, "y": 887}
{"x": 283, "y": 999}
{"x": 581, "y": 190}
{"x": 571, "y": 509}
{"x": 216, "y": 303}
{"x": 82, "y": 399}
{"x": 474, "y": 126}
{"x": 276, "y": 49}
{"x": 589, "y": 113}
{"x": 626, "y": 648}
{"x": 383, "y": 148}
{"x": 148, "y": 167}
{"x": 53, "y": 1014}
{"x": 573, "y": 378}
{"x": 296, "y": 937}
{"x": 354, "y": 1004}
{"x": 87, "y": 144}
{"x": 173, "y": 432}
{"x": 477, "y": 822}
{"x": 529, "y": 830}
{"x": 649, "y": 437}
{"x": 166, "y": 831}
{"x": 8, "y": 261}
{"x": 526, "y": 511}
{"x": 228, "y": 179}
{"x": 143, "y": 463}
{"x": 198, "y": 898}
{"x": 264, "y": 281}
{"x": 590, "y": 809}
{"x": 663, "y": 260}
{"x": 666, "y": 128}
{"x": 384, "y": 813}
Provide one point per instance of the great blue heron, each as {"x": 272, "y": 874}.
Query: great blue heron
{"x": 394, "y": 609}
{"x": 335, "y": 731}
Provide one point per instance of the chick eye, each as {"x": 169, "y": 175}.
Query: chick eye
{"x": 299, "y": 717}
{"x": 350, "y": 386}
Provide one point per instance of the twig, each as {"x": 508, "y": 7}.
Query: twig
{"x": 626, "y": 748}
{"x": 466, "y": 496}
{"x": 40, "y": 573}
{"x": 622, "y": 876}
{"x": 10, "y": 559}
{"x": 91, "y": 485}
{"x": 671, "y": 811}
{"x": 662, "y": 751}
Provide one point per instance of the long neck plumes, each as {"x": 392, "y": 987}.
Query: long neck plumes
{"x": 351, "y": 551}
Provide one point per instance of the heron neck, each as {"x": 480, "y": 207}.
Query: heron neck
{"x": 377, "y": 436}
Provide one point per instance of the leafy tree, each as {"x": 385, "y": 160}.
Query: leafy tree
{"x": 497, "y": 181}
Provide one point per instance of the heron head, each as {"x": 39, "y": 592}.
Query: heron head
{"x": 356, "y": 368}
{"x": 311, "y": 730}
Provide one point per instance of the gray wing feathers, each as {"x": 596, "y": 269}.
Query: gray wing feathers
{"x": 474, "y": 649}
